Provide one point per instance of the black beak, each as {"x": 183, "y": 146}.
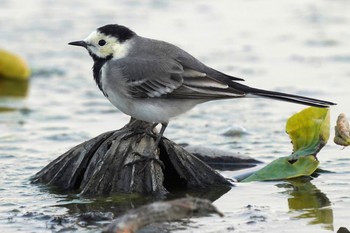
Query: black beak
{"x": 78, "y": 43}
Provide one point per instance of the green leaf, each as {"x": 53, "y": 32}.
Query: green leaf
{"x": 309, "y": 132}
{"x": 282, "y": 168}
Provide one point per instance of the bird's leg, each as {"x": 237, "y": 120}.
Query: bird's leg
{"x": 151, "y": 155}
{"x": 160, "y": 135}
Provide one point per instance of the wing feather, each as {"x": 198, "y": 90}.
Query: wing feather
{"x": 168, "y": 78}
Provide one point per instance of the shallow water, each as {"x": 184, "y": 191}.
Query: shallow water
{"x": 300, "y": 47}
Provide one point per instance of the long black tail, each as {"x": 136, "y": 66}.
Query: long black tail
{"x": 288, "y": 97}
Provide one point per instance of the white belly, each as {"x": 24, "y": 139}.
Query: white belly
{"x": 150, "y": 109}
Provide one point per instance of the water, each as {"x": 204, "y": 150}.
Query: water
{"x": 300, "y": 47}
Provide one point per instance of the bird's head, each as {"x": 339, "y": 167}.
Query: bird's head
{"x": 109, "y": 41}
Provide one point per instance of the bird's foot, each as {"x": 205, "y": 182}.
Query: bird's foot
{"x": 145, "y": 159}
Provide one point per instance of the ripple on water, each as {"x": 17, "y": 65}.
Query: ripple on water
{"x": 6, "y": 156}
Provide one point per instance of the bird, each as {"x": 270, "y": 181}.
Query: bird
{"x": 154, "y": 81}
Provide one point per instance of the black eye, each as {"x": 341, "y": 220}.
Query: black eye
{"x": 101, "y": 42}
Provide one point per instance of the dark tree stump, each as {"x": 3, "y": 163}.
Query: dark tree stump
{"x": 100, "y": 166}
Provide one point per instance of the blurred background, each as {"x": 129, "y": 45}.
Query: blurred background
{"x": 300, "y": 47}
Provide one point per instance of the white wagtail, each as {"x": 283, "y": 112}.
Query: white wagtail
{"x": 154, "y": 81}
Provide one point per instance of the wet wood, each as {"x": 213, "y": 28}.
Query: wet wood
{"x": 100, "y": 166}
{"x": 222, "y": 160}
{"x": 177, "y": 209}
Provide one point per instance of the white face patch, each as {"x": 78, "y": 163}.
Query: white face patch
{"x": 111, "y": 46}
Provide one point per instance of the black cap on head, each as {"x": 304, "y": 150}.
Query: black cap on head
{"x": 120, "y": 32}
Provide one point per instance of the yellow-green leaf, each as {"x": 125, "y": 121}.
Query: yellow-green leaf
{"x": 309, "y": 132}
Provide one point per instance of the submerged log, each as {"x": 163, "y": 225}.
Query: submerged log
{"x": 136, "y": 219}
{"x": 104, "y": 165}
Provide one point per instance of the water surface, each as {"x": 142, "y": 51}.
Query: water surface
{"x": 300, "y": 47}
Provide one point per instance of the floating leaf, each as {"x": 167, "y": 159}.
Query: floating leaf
{"x": 309, "y": 132}
{"x": 282, "y": 168}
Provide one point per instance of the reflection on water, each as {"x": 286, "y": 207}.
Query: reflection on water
{"x": 102, "y": 209}
{"x": 307, "y": 201}
{"x": 11, "y": 94}
{"x": 120, "y": 203}
{"x": 13, "y": 88}
{"x": 6, "y": 109}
